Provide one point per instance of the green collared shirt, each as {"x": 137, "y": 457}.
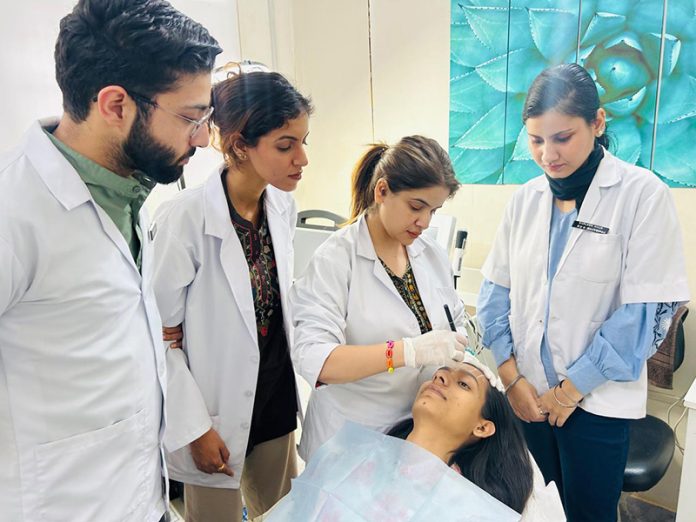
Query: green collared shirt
{"x": 121, "y": 198}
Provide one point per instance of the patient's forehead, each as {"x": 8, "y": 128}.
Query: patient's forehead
{"x": 468, "y": 368}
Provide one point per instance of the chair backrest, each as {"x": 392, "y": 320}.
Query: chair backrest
{"x": 334, "y": 220}
{"x": 670, "y": 354}
{"x": 680, "y": 342}
{"x": 309, "y": 236}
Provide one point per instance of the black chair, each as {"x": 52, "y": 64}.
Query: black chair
{"x": 651, "y": 444}
{"x": 176, "y": 490}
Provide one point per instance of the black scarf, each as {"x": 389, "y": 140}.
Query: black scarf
{"x": 575, "y": 186}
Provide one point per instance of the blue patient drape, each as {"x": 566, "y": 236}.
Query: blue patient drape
{"x": 363, "y": 475}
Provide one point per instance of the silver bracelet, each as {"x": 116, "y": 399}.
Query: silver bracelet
{"x": 514, "y": 381}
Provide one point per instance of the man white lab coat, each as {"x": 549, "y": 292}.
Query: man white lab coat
{"x": 82, "y": 371}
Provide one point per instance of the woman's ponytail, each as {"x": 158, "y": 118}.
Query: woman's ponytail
{"x": 363, "y": 182}
{"x": 415, "y": 162}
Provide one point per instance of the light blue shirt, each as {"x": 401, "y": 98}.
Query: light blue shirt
{"x": 619, "y": 348}
{"x": 561, "y": 224}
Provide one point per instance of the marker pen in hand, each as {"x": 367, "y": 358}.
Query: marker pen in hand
{"x": 449, "y": 319}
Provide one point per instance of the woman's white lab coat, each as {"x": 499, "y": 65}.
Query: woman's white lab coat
{"x": 345, "y": 296}
{"x": 82, "y": 370}
{"x": 633, "y": 256}
{"x": 202, "y": 280}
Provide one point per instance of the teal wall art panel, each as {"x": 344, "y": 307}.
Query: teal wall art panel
{"x": 553, "y": 29}
{"x": 674, "y": 158}
{"x": 477, "y": 108}
{"x": 499, "y": 46}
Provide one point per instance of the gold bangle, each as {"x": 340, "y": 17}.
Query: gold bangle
{"x": 560, "y": 387}
{"x": 559, "y": 402}
{"x": 514, "y": 381}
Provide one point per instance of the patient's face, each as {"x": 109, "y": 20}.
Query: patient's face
{"x": 453, "y": 399}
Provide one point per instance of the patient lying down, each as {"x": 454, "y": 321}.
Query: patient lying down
{"x": 464, "y": 458}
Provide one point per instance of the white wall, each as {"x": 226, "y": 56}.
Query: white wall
{"x": 332, "y": 66}
{"x": 28, "y": 85}
{"x": 408, "y": 92}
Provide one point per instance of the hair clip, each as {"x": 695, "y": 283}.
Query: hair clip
{"x": 232, "y": 69}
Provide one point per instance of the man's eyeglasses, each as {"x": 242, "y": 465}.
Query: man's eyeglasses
{"x": 197, "y": 124}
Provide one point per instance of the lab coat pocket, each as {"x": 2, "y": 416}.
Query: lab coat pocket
{"x": 98, "y": 475}
{"x": 596, "y": 257}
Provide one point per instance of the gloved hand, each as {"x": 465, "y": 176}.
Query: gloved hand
{"x": 436, "y": 348}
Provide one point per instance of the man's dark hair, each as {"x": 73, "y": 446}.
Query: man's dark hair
{"x": 144, "y": 46}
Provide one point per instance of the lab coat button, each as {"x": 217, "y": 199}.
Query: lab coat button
{"x": 254, "y": 359}
{"x": 245, "y": 425}
{"x": 249, "y": 393}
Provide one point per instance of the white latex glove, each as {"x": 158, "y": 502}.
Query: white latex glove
{"x": 485, "y": 370}
{"x": 436, "y": 348}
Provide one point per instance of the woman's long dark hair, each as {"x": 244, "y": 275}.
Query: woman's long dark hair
{"x": 567, "y": 88}
{"x": 415, "y": 162}
{"x": 249, "y": 105}
{"x": 499, "y": 464}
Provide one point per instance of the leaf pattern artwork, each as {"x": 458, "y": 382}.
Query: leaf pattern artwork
{"x": 497, "y": 47}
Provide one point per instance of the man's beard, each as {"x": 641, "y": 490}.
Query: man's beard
{"x": 141, "y": 151}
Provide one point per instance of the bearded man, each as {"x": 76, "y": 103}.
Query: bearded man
{"x": 81, "y": 354}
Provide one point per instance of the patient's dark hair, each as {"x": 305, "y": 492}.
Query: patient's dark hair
{"x": 499, "y": 464}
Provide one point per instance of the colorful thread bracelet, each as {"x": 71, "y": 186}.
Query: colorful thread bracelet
{"x": 390, "y": 356}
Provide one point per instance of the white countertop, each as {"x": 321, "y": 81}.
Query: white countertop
{"x": 690, "y": 397}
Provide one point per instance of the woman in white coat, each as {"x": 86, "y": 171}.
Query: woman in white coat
{"x": 224, "y": 265}
{"x": 369, "y": 310}
{"x": 583, "y": 278}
